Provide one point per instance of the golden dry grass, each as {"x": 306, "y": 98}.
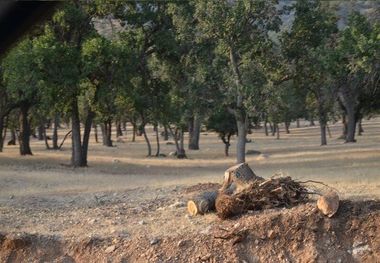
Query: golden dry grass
{"x": 354, "y": 169}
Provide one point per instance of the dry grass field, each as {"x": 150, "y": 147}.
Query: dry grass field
{"x": 354, "y": 169}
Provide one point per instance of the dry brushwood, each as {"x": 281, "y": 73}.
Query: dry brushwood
{"x": 261, "y": 194}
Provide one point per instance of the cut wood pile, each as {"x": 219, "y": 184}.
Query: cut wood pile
{"x": 244, "y": 191}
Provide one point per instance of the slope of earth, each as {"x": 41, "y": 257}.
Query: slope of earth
{"x": 117, "y": 228}
{"x": 125, "y": 207}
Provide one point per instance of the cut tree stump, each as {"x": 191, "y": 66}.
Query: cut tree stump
{"x": 241, "y": 175}
{"x": 202, "y": 203}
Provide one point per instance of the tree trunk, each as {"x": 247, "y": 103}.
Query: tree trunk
{"x": 95, "y": 127}
{"x": 328, "y": 131}
{"x": 194, "y": 132}
{"x": 181, "y": 153}
{"x": 124, "y": 126}
{"x": 134, "y": 132}
{"x": 322, "y": 122}
{"x": 142, "y": 128}
{"x": 360, "y": 127}
{"x": 107, "y": 133}
{"x": 273, "y": 128}
{"x": 12, "y": 141}
{"x": 76, "y": 154}
{"x": 241, "y": 139}
{"x": 55, "y": 132}
{"x": 323, "y": 133}
{"x": 3, "y": 132}
{"x": 277, "y": 131}
{"x": 287, "y": 125}
{"x": 266, "y": 128}
{"x": 40, "y": 132}
{"x": 298, "y": 122}
{"x": 158, "y": 142}
{"x": 351, "y": 125}
{"x": 119, "y": 132}
{"x": 45, "y": 138}
{"x": 239, "y": 111}
{"x": 24, "y": 136}
{"x": 312, "y": 121}
{"x": 166, "y": 133}
{"x": 180, "y": 150}
{"x": 226, "y": 144}
{"x": 86, "y": 136}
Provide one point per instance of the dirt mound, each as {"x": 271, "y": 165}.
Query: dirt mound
{"x": 300, "y": 234}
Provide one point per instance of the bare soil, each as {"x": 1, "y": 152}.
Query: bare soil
{"x": 128, "y": 208}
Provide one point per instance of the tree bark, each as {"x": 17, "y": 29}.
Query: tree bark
{"x": 24, "y": 136}
{"x": 181, "y": 153}
{"x": 40, "y": 132}
{"x": 287, "y": 125}
{"x": 119, "y": 132}
{"x": 142, "y": 128}
{"x": 180, "y": 150}
{"x": 226, "y": 144}
{"x": 273, "y": 128}
{"x": 95, "y": 127}
{"x": 194, "y": 132}
{"x": 239, "y": 111}
{"x": 86, "y": 136}
{"x": 157, "y": 142}
{"x": 134, "y": 131}
{"x": 312, "y": 122}
{"x": 166, "y": 133}
{"x": 12, "y": 141}
{"x": 277, "y": 131}
{"x": 266, "y": 127}
{"x": 360, "y": 127}
{"x": 107, "y": 133}
{"x": 3, "y": 133}
{"x": 55, "y": 132}
{"x": 202, "y": 203}
{"x": 45, "y": 138}
{"x": 76, "y": 154}
{"x": 322, "y": 122}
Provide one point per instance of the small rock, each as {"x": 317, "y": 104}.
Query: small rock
{"x": 262, "y": 156}
{"x": 206, "y": 230}
{"x": 181, "y": 243}
{"x": 177, "y": 204}
{"x": 110, "y": 249}
{"x": 173, "y": 154}
{"x": 360, "y": 249}
{"x": 271, "y": 234}
{"x": 154, "y": 241}
{"x": 169, "y": 143}
{"x": 142, "y": 222}
{"x": 256, "y": 242}
{"x": 11, "y": 196}
{"x": 92, "y": 221}
{"x": 116, "y": 161}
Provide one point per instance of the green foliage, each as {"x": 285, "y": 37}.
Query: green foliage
{"x": 222, "y": 122}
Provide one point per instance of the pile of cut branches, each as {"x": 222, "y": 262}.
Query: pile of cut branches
{"x": 243, "y": 191}
{"x": 261, "y": 194}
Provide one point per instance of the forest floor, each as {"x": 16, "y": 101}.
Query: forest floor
{"x": 125, "y": 207}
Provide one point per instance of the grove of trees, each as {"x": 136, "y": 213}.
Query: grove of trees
{"x": 183, "y": 65}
